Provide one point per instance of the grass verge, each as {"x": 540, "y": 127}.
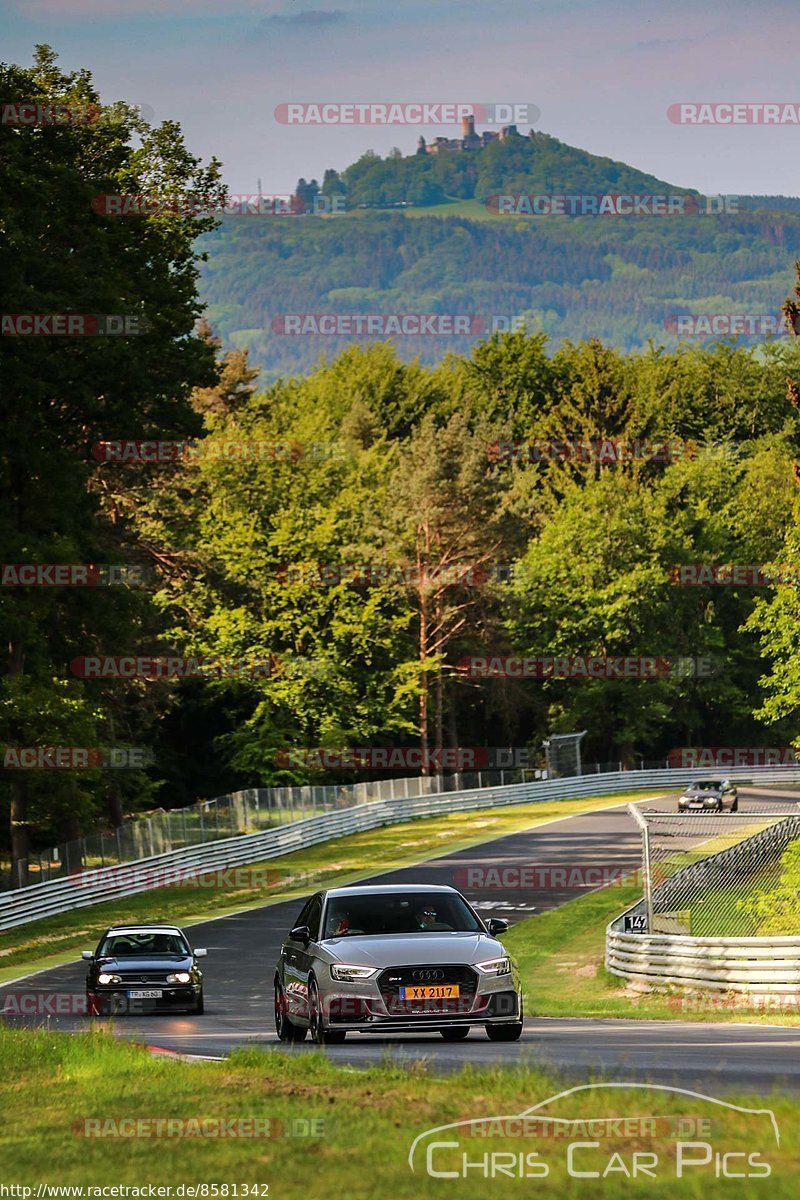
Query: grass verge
{"x": 561, "y": 955}
{"x": 363, "y": 1123}
{"x": 53, "y": 941}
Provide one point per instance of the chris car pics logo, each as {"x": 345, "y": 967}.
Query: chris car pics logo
{"x": 669, "y": 1133}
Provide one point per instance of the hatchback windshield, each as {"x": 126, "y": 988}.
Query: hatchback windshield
{"x": 145, "y": 945}
{"x": 707, "y": 785}
{"x": 422, "y": 912}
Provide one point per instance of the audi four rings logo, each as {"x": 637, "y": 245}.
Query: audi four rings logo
{"x": 427, "y": 975}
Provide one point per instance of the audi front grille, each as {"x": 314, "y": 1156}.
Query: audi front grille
{"x": 393, "y": 978}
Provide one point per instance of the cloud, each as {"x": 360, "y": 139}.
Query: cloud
{"x": 141, "y": 10}
{"x": 309, "y": 17}
{"x": 662, "y": 43}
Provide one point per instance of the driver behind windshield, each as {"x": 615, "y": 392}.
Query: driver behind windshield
{"x": 427, "y": 921}
{"x": 131, "y": 945}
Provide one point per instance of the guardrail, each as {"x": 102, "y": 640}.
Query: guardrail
{"x": 250, "y": 811}
{"x": 23, "y": 905}
{"x": 767, "y": 966}
{"x": 758, "y": 965}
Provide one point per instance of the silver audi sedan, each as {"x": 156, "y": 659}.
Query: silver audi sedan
{"x": 395, "y": 959}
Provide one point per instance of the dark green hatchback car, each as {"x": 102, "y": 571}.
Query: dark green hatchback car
{"x": 143, "y": 968}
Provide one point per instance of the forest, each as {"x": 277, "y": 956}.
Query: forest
{"x": 327, "y": 550}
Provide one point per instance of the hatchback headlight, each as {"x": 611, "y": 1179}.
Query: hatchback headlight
{"x": 104, "y": 977}
{"x": 351, "y": 974}
{"x": 179, "y": 977}
{"x": 495, "y": 966}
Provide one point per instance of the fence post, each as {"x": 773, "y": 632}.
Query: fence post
{"x": 647, "y": 875}
{"x": 648, "y": 878}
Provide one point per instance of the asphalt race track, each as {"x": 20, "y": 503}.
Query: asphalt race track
{"x": 511, "y": 877}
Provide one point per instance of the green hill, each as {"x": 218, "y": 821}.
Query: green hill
{"x": 443, "y": 248}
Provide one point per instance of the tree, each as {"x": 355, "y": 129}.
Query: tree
{"x": 448, "y": 527}
{"x": 306, "y": 194}
{"x": 776, "y": 620}
{"x": 62, "y": 395}
{"x": 333, "y": 184}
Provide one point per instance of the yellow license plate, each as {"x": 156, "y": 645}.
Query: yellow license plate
{"x": 433, "y": 991}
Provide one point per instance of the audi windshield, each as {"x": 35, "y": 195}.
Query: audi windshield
{"x": 382, "y": 915}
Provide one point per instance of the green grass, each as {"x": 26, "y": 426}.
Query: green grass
{"x": 364, "y": 1121}
{"x": 717, "y": 913}
{"x": 561, "y": 956}
{"x": 56, "y": 940}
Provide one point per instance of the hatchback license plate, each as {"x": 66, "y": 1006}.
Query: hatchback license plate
{"x": 145, "y": 994}
{"x": 435, "y": 991}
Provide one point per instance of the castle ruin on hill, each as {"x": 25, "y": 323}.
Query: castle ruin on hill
{"x": 469, "y": 140}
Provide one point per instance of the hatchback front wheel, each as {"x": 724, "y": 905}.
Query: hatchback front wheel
{"x": 316, "y": 1024}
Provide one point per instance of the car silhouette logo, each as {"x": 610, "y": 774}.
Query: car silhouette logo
{"x": 427, "y": 976}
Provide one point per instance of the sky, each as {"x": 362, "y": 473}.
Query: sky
{"x": 602, "y": 74}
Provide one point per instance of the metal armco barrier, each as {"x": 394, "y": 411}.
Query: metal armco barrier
{"x": 33, "y": 903}
{"x": 760, "y": 966}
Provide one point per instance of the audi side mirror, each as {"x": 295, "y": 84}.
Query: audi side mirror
{"x": 497, "y": 925}
{"x": 87, "y": 954}
{"x": 300, "y": 933}
{"x": 200, "y": 953}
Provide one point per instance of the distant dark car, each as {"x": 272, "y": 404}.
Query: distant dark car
{"x": 143, "y": 968}
{"x": 709, "y": 795}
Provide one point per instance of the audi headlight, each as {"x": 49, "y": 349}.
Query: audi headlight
{"x": 104, "y": 977}
{"x": 351, "y": 974}
{"x": 179, "y": 977}
{"x": 495, "y": 966}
